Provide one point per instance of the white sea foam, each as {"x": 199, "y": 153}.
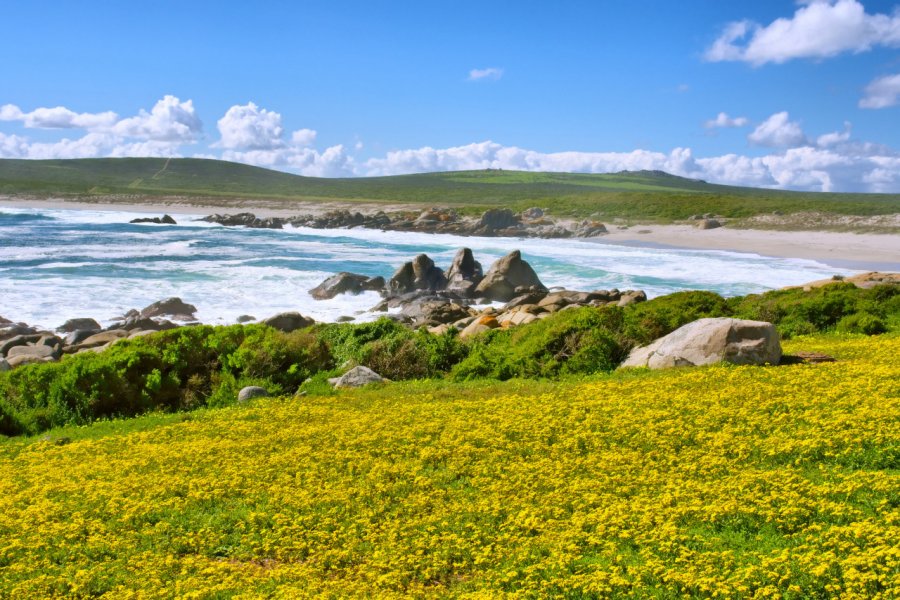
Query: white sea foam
{"x": 93, "y": 264}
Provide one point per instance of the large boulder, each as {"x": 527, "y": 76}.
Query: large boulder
{"x": 37, "y": 351}
{"x": 103, "y": 338}
{"x": 79, "y": 324}
{"x": 346, "y": 283}
{"x": 465, "y": 273}
{"x": 289, "y": 321}
{"x": 171, "y": 307}
{"x": 418, "y": 274}
{"x": 356, "y": 377}
{"x": 709, "y": 341}
{"x": 252, "y": 391}
{"x": 506, "y": 276}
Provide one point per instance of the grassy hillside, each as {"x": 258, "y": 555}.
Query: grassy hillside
{"x": 645, "y": 194}
{"x": 731, "y": 482}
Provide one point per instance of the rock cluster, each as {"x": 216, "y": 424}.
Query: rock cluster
{"x": 494, "y": 222}
{"x": 421, "y": 294}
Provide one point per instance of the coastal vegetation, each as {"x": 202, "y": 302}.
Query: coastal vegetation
{"x": 205, "y": 366}
{"x": 643, "y": 195}
{"x": 720, "y": 481}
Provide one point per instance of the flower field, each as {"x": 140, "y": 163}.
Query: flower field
{"x": 729, "y": 482}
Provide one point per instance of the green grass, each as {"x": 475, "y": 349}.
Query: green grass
{"x": 631, "y": 195}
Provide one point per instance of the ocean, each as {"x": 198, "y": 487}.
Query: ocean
{"x": 60, "y": 264}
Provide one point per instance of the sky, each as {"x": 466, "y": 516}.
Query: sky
{"x": 779, "y": 94}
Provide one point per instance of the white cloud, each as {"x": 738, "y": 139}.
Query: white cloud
{"x": 778, "y": 131}
{"x": 332, "y": 162}
{"x": 488, "y": 74}
{"x": 57, "y": 118}
{"x": 835, "y": 137}
{"x": 304, "y": 137}
{"x": 882, "y": 93}
{"x": 250, "y": 127}
{"x": 170, "y": 120}
{"x": 818, "y": 29}
{"x": 723, "y": 120}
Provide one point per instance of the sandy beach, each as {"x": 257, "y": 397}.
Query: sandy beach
{"x": 860, "y": 251}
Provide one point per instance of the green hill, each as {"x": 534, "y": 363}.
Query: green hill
{"x": 642, "y": 194}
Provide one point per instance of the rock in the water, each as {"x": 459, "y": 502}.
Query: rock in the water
{"x": 346, "y": 283}
{"x": 164, "y": 220}
{"x": 418, "y": 274}
{"x": 465, "y": 272}
{"x": 357, "y": 377}
{"x": 245, "y": 319}
{"x": 289, "y": 321}
{"x": 82, "y": 324}
{"x": 507, "y": 274}
{"x": 709, "y": 341}
{"x": 171, "y": 307}
{"x": 250, "y": 392}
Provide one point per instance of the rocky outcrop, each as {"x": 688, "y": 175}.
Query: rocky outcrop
{"x": 346, "y": 283}
{"x": 508, "y": 277}
{"x": 356, "y": 377}
{"x": 709, "y": 341}
{"x": 164, "y": 220}
{"x": 433, "y": 312}
{"x": 418, "y": 274}
{"x": 289, "y": 321}
{"x": 532, "y": 223}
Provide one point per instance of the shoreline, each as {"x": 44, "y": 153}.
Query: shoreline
{"x": 845, "y": 250}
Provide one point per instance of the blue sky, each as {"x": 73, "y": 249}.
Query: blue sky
{"x": 810, "y": 90}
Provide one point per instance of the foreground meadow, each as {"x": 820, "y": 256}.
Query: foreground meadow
{"x": 710, "y": 482}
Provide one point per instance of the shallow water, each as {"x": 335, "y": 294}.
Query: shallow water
{"x": 61, "y": 264}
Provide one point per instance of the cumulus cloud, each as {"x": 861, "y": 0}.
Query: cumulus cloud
{"x": 723, "y": 120}
{"x": 488, "y": 74}
{"x": 57, "y": 118}
{"x": 170, "y": 120}
{"x": 818, "y": 29}
{"x": 778, "y": 131}
{"x": 332, "y": 162}
{"x": 303, "y": 137}
{"x": 250, "y": 127}
{"x": 882, "y": 93}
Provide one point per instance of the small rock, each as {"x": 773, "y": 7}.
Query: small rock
{"x": 250, "y": 392}
{"x": 245, "y": 319}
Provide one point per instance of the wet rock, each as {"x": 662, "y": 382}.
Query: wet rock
{"x": 164, "y": 220}
{"x": 346, "y": 283}
{"x": 465, "y": 273}
{"x": 505, "y": 276}
{"x": 171, "y": 307}
{"x": 418, "y": 274}
{"x": 289, "y": 321}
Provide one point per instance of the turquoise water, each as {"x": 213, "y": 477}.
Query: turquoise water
{"x": 60, "y": 264}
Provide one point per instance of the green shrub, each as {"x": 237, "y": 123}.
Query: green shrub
{"x": 861, "y": 322}
{"x": 647, "y": 321}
